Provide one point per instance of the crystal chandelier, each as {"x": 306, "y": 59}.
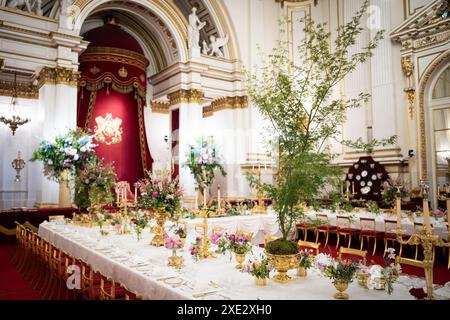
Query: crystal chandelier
{"x": 15, "y": 121}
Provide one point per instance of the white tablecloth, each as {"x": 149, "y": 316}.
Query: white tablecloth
{"x": 102, "y": 253}
{"x": 259, "y": 224}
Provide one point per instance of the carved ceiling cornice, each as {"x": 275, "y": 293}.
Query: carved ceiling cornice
{"x": 424, "y": 29}
{"x": 185, "y": 96}
{"x": 160, "y": 107}
{"x": 17, "y": 82}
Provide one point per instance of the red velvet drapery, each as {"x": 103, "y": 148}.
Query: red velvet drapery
{"x": 113, "y": 80}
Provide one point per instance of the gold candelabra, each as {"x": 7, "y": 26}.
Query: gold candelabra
{"x": 204, "y": 252}
{"x": 18, "y": 164}
{"x": 426, "y": 239}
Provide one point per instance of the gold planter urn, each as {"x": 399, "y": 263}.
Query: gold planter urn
{"x": 160, "y": 217}
{"x": 282, "y": 263}
{"x": 341, "y": 286}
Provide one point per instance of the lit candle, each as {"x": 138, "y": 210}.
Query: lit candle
{"x": 117, "y": 193}
{"x": 135, "y": 193}
{"x": 218, "y": 197}
{"x": 353, "y": 187}
{"x": 426, "y": 215}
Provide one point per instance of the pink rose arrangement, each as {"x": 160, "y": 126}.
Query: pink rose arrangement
{"x": 173, "y": 242}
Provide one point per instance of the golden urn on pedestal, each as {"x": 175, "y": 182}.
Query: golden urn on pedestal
{"x": 341, "y": 286}
{"x": 282, "y": 263}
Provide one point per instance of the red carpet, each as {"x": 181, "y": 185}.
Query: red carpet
{"x": 12, "y": 285}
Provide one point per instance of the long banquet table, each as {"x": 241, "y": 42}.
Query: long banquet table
{"x": 143, "y": 269}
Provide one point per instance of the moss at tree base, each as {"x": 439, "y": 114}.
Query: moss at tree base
{"x": 282, "y": 247}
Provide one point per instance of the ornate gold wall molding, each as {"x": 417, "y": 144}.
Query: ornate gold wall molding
{"x": 23, "y": 90}
{"x": 238, "y": 102}
{"x": 58, "y": 75}
{"x": 411, "y": 98}
{"x": 185, "y": 96}
{"x": 160, "y": 107}
{"x": 422, "y": 128}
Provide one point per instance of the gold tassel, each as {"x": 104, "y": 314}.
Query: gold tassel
{"x": 107, "y": 89}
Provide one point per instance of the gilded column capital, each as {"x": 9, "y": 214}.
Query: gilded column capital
{"x": 160, "y": 107}
{"x": 186, "y": 96}
{"x": 407, "y": 66}
{"x": 237, "y": 102}
{"x": 58, "y": 75}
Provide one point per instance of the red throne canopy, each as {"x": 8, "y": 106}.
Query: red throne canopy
{"x": 111, "y": 91}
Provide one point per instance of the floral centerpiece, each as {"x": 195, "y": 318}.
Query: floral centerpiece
{"x": 305, "y": 261}
{"x": 195, "y": 248}
{"x": 94, "y": 183}
{"x": 389, "y": 190}
{"x": 180, "y": 231}
{"x": 341, "y": 272}
{"x": 174, "y": 242}
{"x": 69, "y": 152}
{"x": 160, "y": 194}
{"x": 139, "y": 220}
{"x": 259, "y": 268}
{"x": 240, "y": 245}
{"x": 202, "y": 161}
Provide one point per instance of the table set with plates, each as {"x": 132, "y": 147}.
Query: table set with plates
{"x": 143, "y": 269}
{"x": 407, "y": 221}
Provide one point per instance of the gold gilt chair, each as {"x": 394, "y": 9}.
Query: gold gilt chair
{"x": 390, "y": 235}
{"x": 305, "y": 227}
{"x": 310, "y": 245}
{"x": 326, "y": 229}
{"x": 368, "y": 231}
{"x": 21, "y": 236}
{"x": 268, "y": 238}
{"x": 87, "y": 281}
{"x": 248, "y": 235}
{"x": 109, "y": 289}
{"x": 344, "y": 228}
{"x": 353, "y": 252}
{"x": 129, "y": 295}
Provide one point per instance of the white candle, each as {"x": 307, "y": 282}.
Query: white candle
{"x": 218, "y": 197}
{"x": 353, "y": 187}
{"x": 426, "y": 216}
{"x": 135, "y": 193}
{"x": 399, "y": 212}
{"x": 117, "y": 193}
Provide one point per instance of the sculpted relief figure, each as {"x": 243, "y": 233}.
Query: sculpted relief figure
{"x": 195, "y": 25}
{"x": 29, "y": 5}
{"x": 215, "y": 45}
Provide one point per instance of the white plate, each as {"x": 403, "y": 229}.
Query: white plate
{"x": 364, "y": 173}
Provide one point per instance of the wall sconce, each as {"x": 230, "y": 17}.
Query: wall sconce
{"x": 18, "y": 164}
{"x": 15, "y": 121}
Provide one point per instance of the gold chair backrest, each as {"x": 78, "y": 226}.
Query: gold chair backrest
{"x": 367, "y": 224}
{"x": 410, "y": 262}
{"x": 309, "y": 244}
{"x": 87, "y": 281}
{"x": 248, "y": 235}
{"x": 58, "y": 217}
{"x": 351, "y": 251}
{"x": 104, "y": 295}
{"x": 389, "y": 225}
{"x": 129, "y": 295}
{"x": 343, "y": 222}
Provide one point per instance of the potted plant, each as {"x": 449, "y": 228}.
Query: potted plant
{"x": 295, "y": 99}
{"x": 259, "y": 268}
{"x": 341, "y": 272}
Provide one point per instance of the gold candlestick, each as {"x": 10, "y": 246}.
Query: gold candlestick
{"x": 204, "y": 252}
{"x": 428, "y": 241}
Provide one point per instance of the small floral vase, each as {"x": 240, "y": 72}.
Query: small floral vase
{"x": 240, "y": 258}
{"x": 260, "y": 281}
{"x": 302, "y": 272}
